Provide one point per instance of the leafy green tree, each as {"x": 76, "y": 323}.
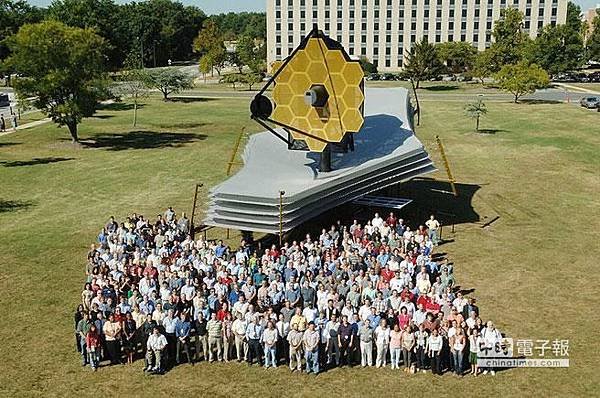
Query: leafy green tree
{"x": 210, "y": 41}
{"x": 510, "y": 41}
{"x": 593, "y": 41}
{"x": 457, "y": 56}
{"x": 476, "y": 110}
{"x": 560, "y": 48}
{"x": 483, "y": 66}
{"x": 251, "y": 79}
{"x": 133, "y": 83}
{"x": 367, "y": 66}
{"x": 251, "y": 53}
{"x": 169, "y": 81}
{"x": 233, "y": 25}
{"x": 422, "y": 62}
{"x": 205, "y": 65}
{"x": 521, "y": 79}
{"x": 13, "y": 15}
{"x": 233, "y": 79}
{"x": 63, "y": 71}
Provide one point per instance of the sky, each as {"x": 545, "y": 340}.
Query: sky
{"x": 220, "y": 6}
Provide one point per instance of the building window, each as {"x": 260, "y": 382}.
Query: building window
{"x": 376, "y": 26}
{"x": 363, "y": 26}
{"x": 290, "y": 26}
{"x": 351, "y": 50}
{"x": 413, "y": 13}
{"x": 476, "y": 25}
{"x": 451, "y": 14}
{"x": 278, "y": 14}
{"x": 553, "y": 11}
{"x": 278, "y": 3}
{"x": 401, "y": 14}
{"x": 363, "y": 39}
{"x": 425, "y": 25}
{"x": 376, "y": 51}
{"x": 388, "y": 26}
{"x": 387, "y": 63}
{"x": 475, "y": 38}
{"x": 426, "y": 13}
{"x": 451, "y": 25}
{"x": 464, "y": 13}
{"x": 339, "y": 14}
{"x": 339, "y": 26}
{"x": 477, "y": 13}
{"x": 315, "y": 15}
{"x": 541, "y": 12}
{"x": 413, "y": 26}
{"x": 351, "y": 38}
{"x": 278, "y": 51}
{"x": 450, "y": 37}
{"x": 290, "y": 14}
{"x": 489, "y": 12}
{"x": 438, "y": 25}
{"x": 376, "y": 39}
{"x": 401, "y": 26}
{"x": 463, "y": 25}
{"x": 438, "y": 38}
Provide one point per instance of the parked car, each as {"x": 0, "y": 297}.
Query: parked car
{"x": 4, "y": 100}
{"x": 590, "y": 102}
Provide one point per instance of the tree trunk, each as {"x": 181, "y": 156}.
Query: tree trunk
{"x": 165, "y": 95}
{"x": 516, "y": 98}
{"x": 135, "y": 113}
{"x": 414, "y": 87}
{"x": 477, "y": 127}
{"x": 73, "y": 130}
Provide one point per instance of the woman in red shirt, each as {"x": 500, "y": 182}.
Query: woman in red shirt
{"x": 92, "y": 341}
{"x": 404, "y": 318}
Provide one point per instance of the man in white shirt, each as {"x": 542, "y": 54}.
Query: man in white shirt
{"x": 377, "y": 221}
{"x": 310, "y": 312}
{"x": 433, "y": 225}
{"x": 420, "y": 315}
{"x": 155, "y": 347}
{"x": 489, "y": 337}
{"x": 238, "y": 328}
{"x": 333, "y": 342}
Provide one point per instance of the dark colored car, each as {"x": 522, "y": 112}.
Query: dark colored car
{"x": 4, "y": 100}
{"x": 590, "y": 102}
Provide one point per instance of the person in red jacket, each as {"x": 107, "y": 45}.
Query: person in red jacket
{"x": 92, "y": 341}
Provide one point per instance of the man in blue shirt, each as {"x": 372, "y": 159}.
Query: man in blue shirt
{"x": 220, "y": 249}
{"x": 182, "y": 332}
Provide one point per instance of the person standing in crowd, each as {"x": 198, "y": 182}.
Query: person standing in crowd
{"x": 228, "y": 344}
{"x": 366, "y": 343}
{"x": 169, "y": 325}
{"x": 182, "y": 332}
{"x": 458, "y": 343}
{"x": 421, "y": 341}
{"x": 200, "y": 326}
{"x": 294, "y": 339}
{"x": 14, "y": 121}
{"x": 382, "y": 341}
{"x": 490, "y": 336}
{"x": 474, "y": 343}
{"x": 346, "y": 339}
{"x": 238, "y": 328}
{"x": 112, "y": 333}
{"x": 83, "y": 326}
{"x": 254, "y": 334}
{"x": 155, "y": 350}
{"x": 433, "y": 226}
{"x": 435, "y": 348}
{"x": 311, "y": 340}
{"x": 92, "y": 343}
{"x": 408, "y": 343}
{"x": 214, "y": 327}
{"x": 129, "y": 337}
{"x": 269, "y": 340}
{"x": 395, "y": 346}
{"x": 333, "y": 341}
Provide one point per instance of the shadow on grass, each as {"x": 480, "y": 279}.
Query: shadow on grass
{"x": 187, "y": 100}
{"x": 490, "y": 131}
{"x": 13, "y": 205}
{"x": 445, "y": 87}
{"x": 533, "y": 101}
{"x": 3, "y": 144}
{"x": 182, "y": 125}
{"x": 118, "y": 106}
{"x": 141, "y": 140}
{"x": 33, "y": 162}
{"x": 102, "y": 116}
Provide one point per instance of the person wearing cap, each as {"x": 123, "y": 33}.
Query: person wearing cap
{"x": 155, "y": 349}
{"x": 311, "y": 340}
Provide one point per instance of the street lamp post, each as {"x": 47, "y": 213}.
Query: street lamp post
{"x": 281, "y": 193}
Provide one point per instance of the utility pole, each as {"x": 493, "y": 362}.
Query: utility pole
{"x": 192, "y": 228}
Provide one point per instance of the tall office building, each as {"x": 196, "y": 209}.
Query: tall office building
{"x": 384, "y": 30}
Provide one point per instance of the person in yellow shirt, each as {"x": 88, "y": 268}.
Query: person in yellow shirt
{"x": 299, "y": 320}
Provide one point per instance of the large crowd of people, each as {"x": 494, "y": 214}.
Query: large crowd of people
{"x": 357, "y": 295}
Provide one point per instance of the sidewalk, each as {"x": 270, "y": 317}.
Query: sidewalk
{"x": 10, "y": 130}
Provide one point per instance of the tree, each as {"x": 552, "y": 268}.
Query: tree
{"x": 366, "y": 65}
{"x": 251, "y": 79}
{"x": 593, "y": 41}
{"x": 457, "y": 56}
{"x": 63, "y": 70}
{"x": 133, "y": 82}
{"x": 210, "y": 41}
{"x": 521, "y": 79}
{"x": 206, "y": 65}
{"x": 14, "y": 14}
{"x": 560, "y": 48}
{"x": 510, "y": 41}
{"x": 482, "y": 67}
{"x": 169, "y": 81}
{"x": 422, "y": 62}
{"x": 251, "y": 52}
{"x": 475, "y": 110}
{"x": 233, "y": 79}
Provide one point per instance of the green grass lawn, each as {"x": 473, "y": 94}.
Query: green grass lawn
{"x": 533, "y": 271}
